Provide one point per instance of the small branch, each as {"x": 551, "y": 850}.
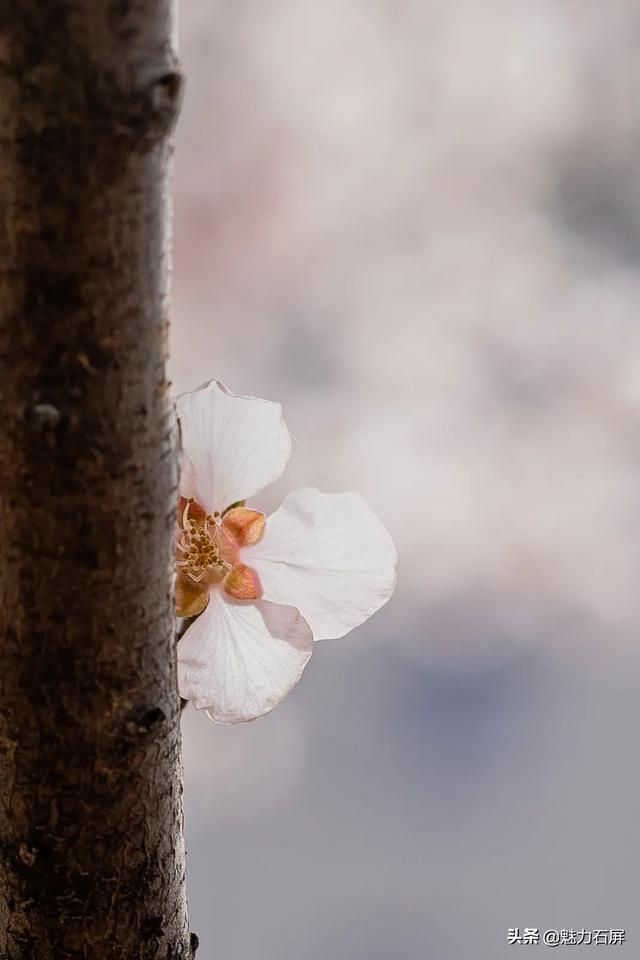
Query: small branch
{"x": 183, "y": 625}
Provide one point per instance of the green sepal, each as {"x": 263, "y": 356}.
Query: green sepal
{"x": 232, "y": 506}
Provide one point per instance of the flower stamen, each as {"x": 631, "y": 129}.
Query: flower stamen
{"x": 199, "y": 544}
{"x": 185, "y": 514}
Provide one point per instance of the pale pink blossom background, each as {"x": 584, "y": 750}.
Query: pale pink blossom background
{"x": 417, "y": 225}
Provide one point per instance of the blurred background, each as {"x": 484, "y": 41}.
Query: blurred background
{"x": 416, "y": 224}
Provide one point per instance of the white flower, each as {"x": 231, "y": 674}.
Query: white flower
{"x": 262, "y": 589}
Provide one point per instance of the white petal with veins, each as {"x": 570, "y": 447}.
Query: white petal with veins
{"x": 232, "y": 446}
{"x": 240, "y": 660}
{"x": 329, "y": 556}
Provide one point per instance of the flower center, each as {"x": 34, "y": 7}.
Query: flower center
{"x": 199, "y": 546}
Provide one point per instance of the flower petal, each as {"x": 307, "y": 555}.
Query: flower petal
{"x": 240, "y": 660}
{"x": 328, "y": 555}
{"x": 232, "y": 446}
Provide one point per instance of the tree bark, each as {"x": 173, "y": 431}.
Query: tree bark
{"x": 92, "y": 861}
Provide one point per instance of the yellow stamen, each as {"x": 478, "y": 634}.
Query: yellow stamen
{"x": 199, "y": 544}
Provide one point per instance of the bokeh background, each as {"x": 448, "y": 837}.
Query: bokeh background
{"x": 416, "y": 223}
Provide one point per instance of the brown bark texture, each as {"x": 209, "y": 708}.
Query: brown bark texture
{"x": 91, "y": 850}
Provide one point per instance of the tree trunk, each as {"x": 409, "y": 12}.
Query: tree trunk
{"x": 90, "y": 778}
